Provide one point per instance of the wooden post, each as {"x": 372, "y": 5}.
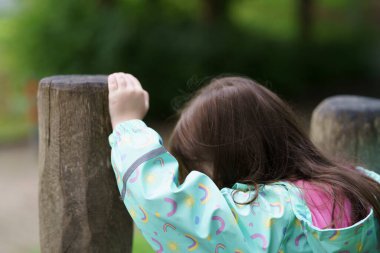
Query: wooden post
{"x": 79, "y": 205}
{"x": 349, "y": 127}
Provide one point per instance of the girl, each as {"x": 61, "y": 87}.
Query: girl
{"x": 242, "y": 176}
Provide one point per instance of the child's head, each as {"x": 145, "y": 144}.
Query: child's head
{"x": 235, "y": 130}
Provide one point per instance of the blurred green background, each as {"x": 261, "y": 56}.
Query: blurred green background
{"x": 305, "y": 50}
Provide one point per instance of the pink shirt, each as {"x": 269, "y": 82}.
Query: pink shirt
{"x": 321, "y": 206}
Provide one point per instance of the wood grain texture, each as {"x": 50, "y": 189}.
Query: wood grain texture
{"x": 348, "y": 127}
{"x": 79, "y": 205}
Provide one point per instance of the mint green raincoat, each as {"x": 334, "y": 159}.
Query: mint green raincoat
{"x": 196, "y": 216}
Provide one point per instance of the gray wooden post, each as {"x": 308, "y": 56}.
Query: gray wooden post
{"x": 349, "y": 127}
{"x": 79, "y": 205}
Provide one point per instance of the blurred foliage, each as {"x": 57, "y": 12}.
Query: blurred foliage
{"x": 14, "y": 129}
{"x": 139, "y": 243}
{"x": 170, "y": 45}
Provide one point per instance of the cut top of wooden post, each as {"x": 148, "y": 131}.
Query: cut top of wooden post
{"x": 74, "y": 81}
{"x": 348, "y": 127}
{"x": 350, "y": 104}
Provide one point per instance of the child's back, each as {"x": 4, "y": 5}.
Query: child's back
{"x": 267, "y": 169}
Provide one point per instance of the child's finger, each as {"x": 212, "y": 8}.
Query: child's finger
{"x": 112, "y": 84}
{"x": 120, "y": 80}
{"x": 129, "y": 81}
{"x": 136, "y": 83}
{"x": 146, "y": 96}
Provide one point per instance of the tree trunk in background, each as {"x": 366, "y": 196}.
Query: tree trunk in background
{"x": 348, "y": 127}
{"x": 305, "y": 19}
{"x": 107, "y": 3}
{"x": 214, "y": 11}
{"x": 79, "y": 204}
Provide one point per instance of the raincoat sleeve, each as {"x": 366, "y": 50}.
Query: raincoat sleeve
{"x": 172, "y": 217}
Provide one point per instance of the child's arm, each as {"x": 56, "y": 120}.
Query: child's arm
{"x": 170, "y": 216}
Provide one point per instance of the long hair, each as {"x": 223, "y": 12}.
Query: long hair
{"x": 235, "y": 130}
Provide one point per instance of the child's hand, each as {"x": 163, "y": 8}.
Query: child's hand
{"x": 127, "y": 99}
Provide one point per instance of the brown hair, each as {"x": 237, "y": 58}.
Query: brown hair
{"x": 245, "y": 133}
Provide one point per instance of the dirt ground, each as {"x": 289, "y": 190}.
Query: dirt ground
{"x": 19, "y": 199}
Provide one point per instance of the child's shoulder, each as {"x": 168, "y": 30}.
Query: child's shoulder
{"x": 281, "y": 208}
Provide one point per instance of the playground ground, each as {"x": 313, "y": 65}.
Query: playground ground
{"x": 19, "y": 198}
